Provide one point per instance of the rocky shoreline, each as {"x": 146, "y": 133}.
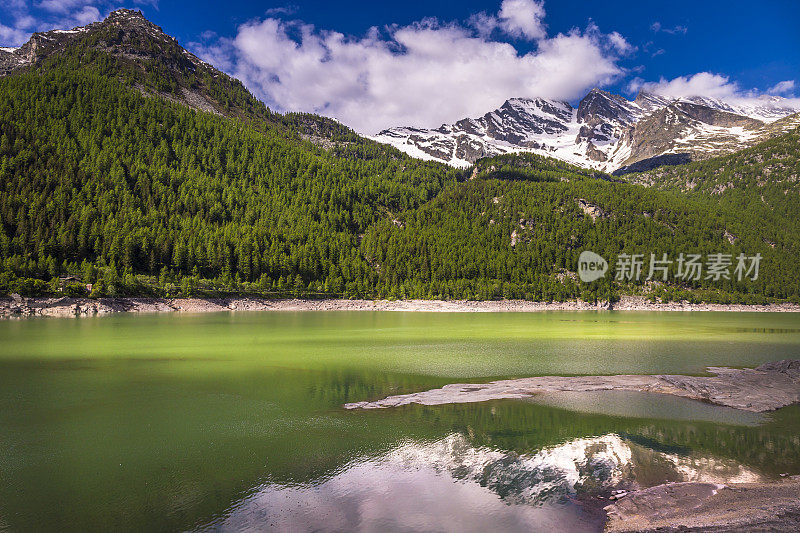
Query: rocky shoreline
{"x": 765, "y": 388}
{"x": 17, "y": 306}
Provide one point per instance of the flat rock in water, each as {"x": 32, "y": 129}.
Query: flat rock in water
{"x": 708, "y": 507}
{"x": 766, "y": 388}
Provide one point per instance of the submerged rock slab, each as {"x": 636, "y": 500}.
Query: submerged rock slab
{"x": 709, "y": 507}
{"x": 765, "y": 388}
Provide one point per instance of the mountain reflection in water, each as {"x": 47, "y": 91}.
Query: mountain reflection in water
{"x": 451, "y": 485}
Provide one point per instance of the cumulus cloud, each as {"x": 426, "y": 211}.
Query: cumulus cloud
{"x": 484, "y": 24}
{"x": 522, "y": 18}
{"x": 715, "y": 86}
{"x": 782, "y": 88}
{"x": 423, "y": 74}
{"x": 700, "y": 84}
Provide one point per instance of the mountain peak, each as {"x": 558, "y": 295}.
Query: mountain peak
{"x": 142, "y": 54}
{"x": 606, "y": 106}
{"x": 647, "y": 95}
{"x": 43, "y": 44}
{"x": 649, "y": 101}
{"x": 133, "y": 17}
{"x": 126, "y": 13}
{"x": 132, "y": 21}
{"x": 555, "y": 107}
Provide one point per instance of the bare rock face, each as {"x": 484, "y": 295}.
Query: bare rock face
{"x": 605, "y": 117}
{"x": 10, "y": 60}
{"x": 716, "y": 117}
{"x": 592, "y": 210}
{"x": 766, "y": 388}
{"x": 594, "y": 154}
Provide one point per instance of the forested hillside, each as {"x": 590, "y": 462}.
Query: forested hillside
{"x": 97, "y": 175}
{"x": 518, "y": 227}
{"x": 761, "y": 183}
{"x": 107, "y": 176}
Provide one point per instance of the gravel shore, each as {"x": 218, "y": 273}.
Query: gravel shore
{"x": 77, "y": 307}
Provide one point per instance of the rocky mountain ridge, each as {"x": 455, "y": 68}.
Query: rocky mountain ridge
{"x": 43, "y": 44}
{"x": 606, "y": 132}
{"x": 127, "y": 45}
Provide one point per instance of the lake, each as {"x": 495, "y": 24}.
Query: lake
{"x": 234, "y": 421}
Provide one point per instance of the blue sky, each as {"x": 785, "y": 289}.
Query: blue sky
{"x": 755, "y": 43}
{"x": 424, "y": 63}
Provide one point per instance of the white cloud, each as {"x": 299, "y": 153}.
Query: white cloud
{"x": 484, "y": 24}
{"x": 85, "y": 16}
{"x": 620, "y": 43}
{"x": 283, "y": 10}
{"x": 700, "y": 84}
{"x": 10, "y": 36}
{"x": 25, "y": 22}
{"x": 522, "y": 18}
{"x": 783, "y": 87}
{"x": 657, "y": 27}
{"x": 423, "y": 74}
{"x": 14, "y": 5}
{"x": 20, "y": 18}
{"x": 715, "y": 86}
{"x": 59, "y": 6}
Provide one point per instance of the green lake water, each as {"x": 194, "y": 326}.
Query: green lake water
{"x": 233, "y": 421}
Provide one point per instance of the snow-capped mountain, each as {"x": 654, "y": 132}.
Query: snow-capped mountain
{"x": 765, "y": 108}
{"x": 605, "y": 132}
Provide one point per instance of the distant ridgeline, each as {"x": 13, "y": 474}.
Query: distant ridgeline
{"x": 130, "y": 165}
